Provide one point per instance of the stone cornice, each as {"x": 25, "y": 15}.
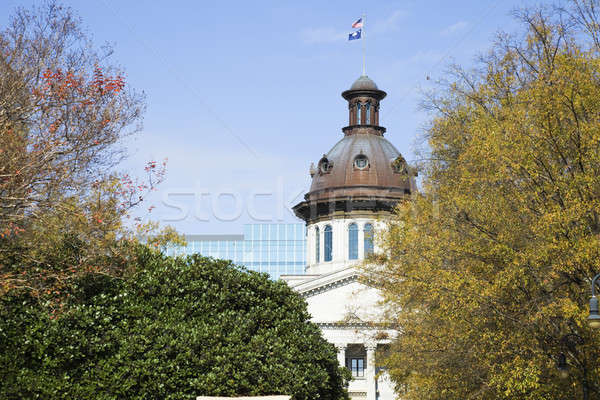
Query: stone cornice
{"x": 355, "y": 325}
{"x": 363, "y": 130}
{"x": 327, "y": 282}
{"x": 330, "y": 286}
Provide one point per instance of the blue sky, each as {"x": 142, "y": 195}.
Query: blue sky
{"x": 243, "y": 96}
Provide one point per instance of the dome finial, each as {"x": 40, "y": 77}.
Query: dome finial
{"x": 364, "y": 83}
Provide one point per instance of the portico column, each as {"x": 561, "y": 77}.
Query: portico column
{"x": 341, "y": 353}
{"x": 361, "y": 241}
{"x": 370, "y": 375}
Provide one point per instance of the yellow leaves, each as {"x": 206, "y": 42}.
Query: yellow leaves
{"x": 489, "y": 266}
{"x": 156, "y": 237}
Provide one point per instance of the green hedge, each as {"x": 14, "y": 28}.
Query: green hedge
{"x": 178, "y": 328}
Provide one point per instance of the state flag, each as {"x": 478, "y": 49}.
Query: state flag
{"x": 355, "y": 35}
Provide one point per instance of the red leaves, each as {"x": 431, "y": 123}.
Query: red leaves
{"x": 75, "y": 91}
{"x": 115, "y": 85}
{"x": 60, "y": 85}
{"x": 75, "y": 108}
{"x": 11, "y": 229}
{"x": 107, "y": 84}
{"x": 150, "y": 166}
{"x": 133, "y": 192}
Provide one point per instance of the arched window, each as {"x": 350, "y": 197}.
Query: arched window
{"x": 352, "y": 241}
{"x": 328, "y": 243}
{"x": 358, "y": 112}
{"x": 317, "y": 244}
{"x": 368, "y": 113}
{"x": 368, "y": 242}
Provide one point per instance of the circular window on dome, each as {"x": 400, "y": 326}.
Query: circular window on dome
{"x": 361, "y": 161}
{"x": 325, "y": 165}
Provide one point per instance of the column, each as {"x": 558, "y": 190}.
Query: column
{"x": 340, "y": 236}
{"x": 341, "y": 353}
{"x": 370, "y": 373}
{"x": 361, "y": 239}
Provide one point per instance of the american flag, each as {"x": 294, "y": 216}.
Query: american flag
{"x": 358, "y": 23}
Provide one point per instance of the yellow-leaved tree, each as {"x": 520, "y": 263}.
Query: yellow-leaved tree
{"x": 487, "y": 270}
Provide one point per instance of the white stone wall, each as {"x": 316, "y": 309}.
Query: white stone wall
{"x": 344, "y": 307}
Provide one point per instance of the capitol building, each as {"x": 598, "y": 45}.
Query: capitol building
{"x": 355, "y": 186}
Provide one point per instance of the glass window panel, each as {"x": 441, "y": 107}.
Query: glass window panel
{"x": 281, "y": 233}
{"x": 357, "y": 367}
{"x": 353, "y": 241}
{"x": 328, "y": 242}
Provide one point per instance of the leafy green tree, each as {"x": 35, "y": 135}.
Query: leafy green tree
{"x": 487, "y": 271}
{"x": 175, "y": 329}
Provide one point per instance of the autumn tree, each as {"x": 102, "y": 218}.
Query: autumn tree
{"x": 64, "y": 109}
{"x": 487, "y": 270}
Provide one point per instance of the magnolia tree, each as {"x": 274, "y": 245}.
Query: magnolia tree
{"x": 175, "y": 329}
{"x": 63, "y": 111}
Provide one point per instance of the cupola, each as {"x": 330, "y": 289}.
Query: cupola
{"x": 363, "y": 171}
{"x": 363, "y": 104}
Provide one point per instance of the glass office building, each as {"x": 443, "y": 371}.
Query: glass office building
{"x": 276, "y": 249}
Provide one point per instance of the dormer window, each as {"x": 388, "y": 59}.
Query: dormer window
{"x": 361, "y": 161}
{"x": 325, "y": 165}
{"x": 399, "y": 165}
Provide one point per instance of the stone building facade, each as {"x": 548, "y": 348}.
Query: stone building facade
{"x": 355, "y": 187}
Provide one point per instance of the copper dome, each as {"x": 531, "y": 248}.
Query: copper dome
{"x": 364, "y": 83}
{"x": 345, "y": 177}
{"x": 363, "y": 171}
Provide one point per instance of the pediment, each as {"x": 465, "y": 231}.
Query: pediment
{"x": 327, "y": 282}
{"x": 340, "y": 296}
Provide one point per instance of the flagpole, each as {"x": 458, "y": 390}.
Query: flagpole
{"x": 364, "y": 40}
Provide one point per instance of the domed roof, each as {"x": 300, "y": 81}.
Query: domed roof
{"x": 360, "y": 165}
{"x": 363, "y": 172}
{"x": 364, "y": 83}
